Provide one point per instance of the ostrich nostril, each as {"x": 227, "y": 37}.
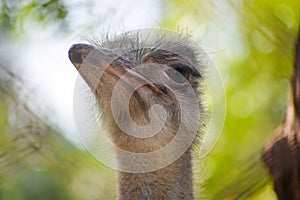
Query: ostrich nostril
{"x": 162, "y": 88}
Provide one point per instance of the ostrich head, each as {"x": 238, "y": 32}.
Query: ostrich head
{"x": 147, "y": 87}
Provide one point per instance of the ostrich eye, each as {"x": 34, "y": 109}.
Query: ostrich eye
{"x": 178, "y": 75}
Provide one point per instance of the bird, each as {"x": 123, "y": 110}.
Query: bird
{"x": 149, "y": 88}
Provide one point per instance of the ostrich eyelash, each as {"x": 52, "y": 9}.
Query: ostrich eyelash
{"x": 185, "y": 69}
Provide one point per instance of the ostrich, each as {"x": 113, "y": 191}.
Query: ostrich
{"x": 147, "y": 83}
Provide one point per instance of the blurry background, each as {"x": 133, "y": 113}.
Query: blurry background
{"x": 251, "y": 43}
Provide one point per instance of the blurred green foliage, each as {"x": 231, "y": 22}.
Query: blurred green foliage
{"x": 15, "y": 13}
{"x": 36, "y": 162}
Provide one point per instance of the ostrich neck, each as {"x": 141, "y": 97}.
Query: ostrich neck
{"x": 170, "y": 183}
